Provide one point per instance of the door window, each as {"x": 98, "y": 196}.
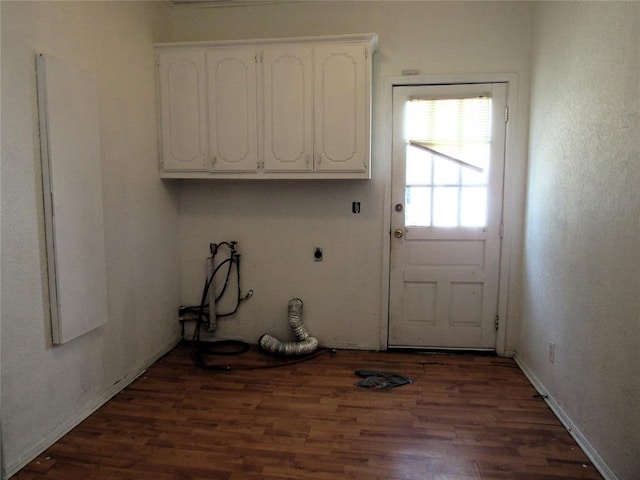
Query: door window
{"x": 447, "y": 161}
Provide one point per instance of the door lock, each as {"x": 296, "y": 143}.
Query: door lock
{"x": 398, "y": 233}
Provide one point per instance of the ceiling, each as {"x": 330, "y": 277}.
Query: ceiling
{"x": 225, "y": 3}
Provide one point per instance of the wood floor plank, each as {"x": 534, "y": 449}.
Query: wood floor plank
{"x": 464, "y": 417}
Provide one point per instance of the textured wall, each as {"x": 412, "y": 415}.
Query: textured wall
{"x": 44, "y": 388}
{"x": 582, "y": 249}
{"x": 279, "y": 223}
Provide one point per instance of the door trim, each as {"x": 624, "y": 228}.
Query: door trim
{"x": 511, "y": 79}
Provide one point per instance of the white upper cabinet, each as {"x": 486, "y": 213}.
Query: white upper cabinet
{"x": 277, "y": 108}
{"x": 233, "y": 118}
{"x": 342, "y": 113}
{"x": 183, "y": 110}
{"x": 287, "y": 79}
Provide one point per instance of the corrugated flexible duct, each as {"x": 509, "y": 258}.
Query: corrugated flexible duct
{"x": 305, "y": 344}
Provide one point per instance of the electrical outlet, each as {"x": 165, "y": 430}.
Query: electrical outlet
{"x": 552, "y": 352}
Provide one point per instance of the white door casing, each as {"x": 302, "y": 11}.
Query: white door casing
{"x": 443, "y": 290}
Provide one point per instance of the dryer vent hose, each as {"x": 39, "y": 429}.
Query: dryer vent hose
{"x": 305, "y": 343}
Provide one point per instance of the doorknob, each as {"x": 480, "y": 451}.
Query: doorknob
{"x": 398, "y": 233}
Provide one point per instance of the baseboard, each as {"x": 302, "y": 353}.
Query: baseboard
{"x": 52, "y": 437}
{"x": 571, "y": 427}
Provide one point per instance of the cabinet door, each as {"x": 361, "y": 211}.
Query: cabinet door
{"x": 288, "y": 108}
{"x": 232, "y": 88}
{"x": 183, "y": 113}
{"x": 342, "y": 110}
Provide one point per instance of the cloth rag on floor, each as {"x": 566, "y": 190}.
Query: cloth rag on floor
{"x": 376, "y": 379}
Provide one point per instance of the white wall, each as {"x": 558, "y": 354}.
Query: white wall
{"x": 45, "y": 389}
{"x": 278, "y": 223}
{"x": 582, "y": 242}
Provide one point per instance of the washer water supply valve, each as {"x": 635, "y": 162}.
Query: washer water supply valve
{"x": 228, "y": 270}
{"x": 210, "y": 291}
{"x": 305, "y": 343}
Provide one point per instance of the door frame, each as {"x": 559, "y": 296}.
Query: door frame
{"x": 511, "y": 79}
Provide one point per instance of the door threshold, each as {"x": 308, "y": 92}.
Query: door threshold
{"x": 443, "y": 350}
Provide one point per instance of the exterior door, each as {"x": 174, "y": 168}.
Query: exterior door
{"x": 447, "y": 177}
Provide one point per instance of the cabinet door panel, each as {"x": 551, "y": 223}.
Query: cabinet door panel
{"x": 341, "y": 120}
{"x": 288, "y": 108}
{"x": 232, "y": 76}
{"x": 183, "y": 110}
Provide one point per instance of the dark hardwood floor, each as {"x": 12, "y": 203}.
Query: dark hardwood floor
{"x": 465, "y": 417}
